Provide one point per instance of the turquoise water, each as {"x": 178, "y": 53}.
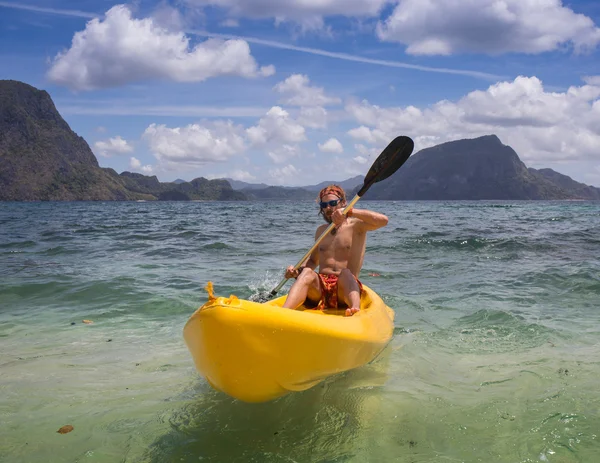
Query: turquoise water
{"x": 496, "y": 353}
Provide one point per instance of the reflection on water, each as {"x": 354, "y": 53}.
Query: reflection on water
{"x": 325, "y": 423}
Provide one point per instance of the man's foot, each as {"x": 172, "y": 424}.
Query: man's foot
{"x": 351, "y": 311}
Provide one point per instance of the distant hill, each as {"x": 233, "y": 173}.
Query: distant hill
{"x": 178, "y": 181}
{"x": 479, "y": 168}
{"x": 42, "y": 159}
{"x": 239, "y": 185}
{"x": 578, "y": 190}
{"x": 277, "y": 193}
{"x": 261, "y": 191}
{"x": 347, "y": 185}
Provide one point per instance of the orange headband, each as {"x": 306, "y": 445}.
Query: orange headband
{"x": 332, "y": 190}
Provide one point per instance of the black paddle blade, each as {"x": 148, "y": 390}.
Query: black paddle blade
{"x": 388, "y": 162}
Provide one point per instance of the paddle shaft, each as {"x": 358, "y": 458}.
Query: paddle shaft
{"x": 317, "y": 242}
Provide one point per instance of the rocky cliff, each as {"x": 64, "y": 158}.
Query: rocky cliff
{"x": 480, "y": 168}
{"x": 41, "y": 158}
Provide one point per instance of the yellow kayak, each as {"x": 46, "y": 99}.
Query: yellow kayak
{"x": 258, "y": 352}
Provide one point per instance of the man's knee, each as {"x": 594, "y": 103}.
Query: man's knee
{"x": 307, "y": 276}
{"x": 346, "y": 273}
{"x": 346, "y": 277}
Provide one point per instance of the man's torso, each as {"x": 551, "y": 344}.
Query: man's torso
{"x": 344, "y": 249}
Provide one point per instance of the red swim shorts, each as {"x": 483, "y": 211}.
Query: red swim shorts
{"x": 329, "y": 291}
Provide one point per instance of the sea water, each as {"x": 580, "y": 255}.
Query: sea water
{"x": 495, "y": 357}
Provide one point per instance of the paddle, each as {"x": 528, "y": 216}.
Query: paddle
{"x": 388, "y": 162}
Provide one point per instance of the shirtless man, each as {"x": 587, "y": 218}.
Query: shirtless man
{"x": 339, "y": 256}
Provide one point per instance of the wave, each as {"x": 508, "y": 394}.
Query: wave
{"x": 217, "y": 246}
{"x": 494, "y": 331}
{"x": 18, "y": 244}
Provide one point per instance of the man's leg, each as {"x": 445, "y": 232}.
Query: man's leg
{"x": 306, "y": 285}
{"x": 349, "y": 291}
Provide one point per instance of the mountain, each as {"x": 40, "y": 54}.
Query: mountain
{"x": 347, "y": 185}
{"x": 42, "y": 159}
{"x": 578, "y": 190}
{"x": 261, "y": 191}
{"x": 239, "y": 185}
{"x": 471, "y": 169}
{"x": 178, "y": 181}
{"x": 275, "y": 193}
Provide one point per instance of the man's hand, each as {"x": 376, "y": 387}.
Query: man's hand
{"x": 338, "y": 217}
{"x": 291, "y": 272}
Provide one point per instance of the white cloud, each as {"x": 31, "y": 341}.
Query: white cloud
{"x": 365, "y": 152}
{"x": 168, "y": 17}
{"x": 308, "y": 13}
{"x": 276, "y": 126}
{"x": 120, "y": 49}
{"x": 541, "y": 126}
{"x": 283, "y": 153}
{"x": 241, "y": 175}
{"x": 114, "y": 145}
{"x": 194, "y": 144}
{"x": 444, "y": 27}
{"x": 331, "y": 146}
{"x": 592, "y": 80}
{"x": 284, "y": 175}
{"x": 365, "y": 133}
{"x": 298, "y": 92}
{"x": 136, "y": 165}
{"x": 313, "y": 117}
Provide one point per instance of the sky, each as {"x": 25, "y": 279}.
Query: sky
{"x": 298, "y": 92}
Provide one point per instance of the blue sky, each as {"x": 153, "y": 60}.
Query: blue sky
{"x": 299, "y": 92}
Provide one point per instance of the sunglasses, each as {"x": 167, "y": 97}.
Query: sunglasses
{"x": 332, "y": 203}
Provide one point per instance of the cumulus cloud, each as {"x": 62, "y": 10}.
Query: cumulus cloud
{"x": 238, "y": 174}
{"x": 331, "y": 146}
{"x": 313, "y": 117}
{"x": 284, "y": 175}
{"x": 308, "y": 13}
{"x": 112, "y": 146}
{"x": 136, "y": 165}
{"x": 364, "y": 133}
{"x": 444, "y": 27}
{"x": 120, "y": 49}
{"x": 276, "y": 126}
{"x": 283, "y": 153}
{"x": 365, "y": 153}
{"x": 296, "y": 91}
{"x": 194, "y": 145}
{"x": 541, "y": 126}
{"x": 242, "y": 176}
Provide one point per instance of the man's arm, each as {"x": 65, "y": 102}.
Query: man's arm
{"x": 370, "y": 220}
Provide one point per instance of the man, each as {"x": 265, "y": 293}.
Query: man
{"x": 339, "y": 256}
